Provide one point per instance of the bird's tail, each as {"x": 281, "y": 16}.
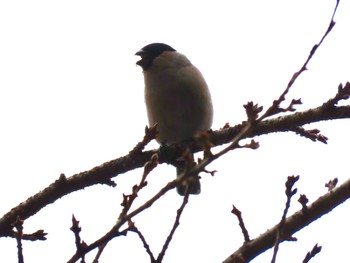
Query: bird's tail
{"x": 191, "y": 182}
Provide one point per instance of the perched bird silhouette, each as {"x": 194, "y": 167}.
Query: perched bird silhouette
{"x": 177, "y": 99}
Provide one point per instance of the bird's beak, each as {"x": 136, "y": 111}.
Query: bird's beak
{"x": 139, "y": 53}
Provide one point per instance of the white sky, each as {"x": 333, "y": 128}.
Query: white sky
{"x": 71, "y": 98}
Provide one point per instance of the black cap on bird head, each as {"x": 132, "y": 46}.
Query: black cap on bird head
{"x": 150, "y": 52}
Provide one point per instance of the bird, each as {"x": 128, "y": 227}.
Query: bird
{"x": 177, "y": 100}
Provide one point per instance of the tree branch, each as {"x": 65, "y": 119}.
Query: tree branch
{"x": 103, "y": 173}
{"x": 293, "y": 224}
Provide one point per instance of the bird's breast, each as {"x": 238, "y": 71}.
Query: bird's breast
{"x": 178, "y": 100}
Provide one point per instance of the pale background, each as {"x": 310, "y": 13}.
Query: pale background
{"x": 71, "y": 98}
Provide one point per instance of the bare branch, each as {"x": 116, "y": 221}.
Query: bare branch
{"x": 150, "y": 134}
{"x": 293, "y": 224}
{"x": 76, "y": 229}
{"x": 313, "y": 135}
{"x": 115, "y": 230}
{"x": 342, "y": 94}
{"x": 103, "y": 173}
{"x": 133, "y": 228}
{"x": 280, "y": 233}
{"x": 315, "y": 250}
{"x": 176, "y": 224}
{"x": 312, "y": 52}
{"x": 238, "y": 214}
{"x": 18, "y": 224}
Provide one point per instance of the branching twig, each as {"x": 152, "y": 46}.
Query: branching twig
{"x": 150, "y": 134}
{"x": 102, "y": 174}
{"x": 254, "y": 110}
{"x": 76, "y": 229}
{"x": 293, "y": 223}
{"x": 129, "y": 199}
{"x": 280, "y": 233}
{"x": 342, "y": 94}
{"x": 274, "y": 109}
{"x": 315, "y": 250}
{"x": 37, "y": 235}
{"x": 133, "y": 228}
{"x": 115, "y": 231}
{"x": 126, "y": 204}
{"x": 313, "y": 135}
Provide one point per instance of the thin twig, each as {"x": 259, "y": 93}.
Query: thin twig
{"x": 238, "y": 214}
{"x": 75, "y": 228}
{"x": 129, "y": 199}
{"x": 150, "y": 134}
{"x": 176, "y": 224}
{"x": 133, "y": 228}
{"x": 275, "y": 106}
{"x": 315, "y": 250}
{"x": 280, "y": 233}
{"x": 18, "y": 224}
{"x": 99, "y": 253}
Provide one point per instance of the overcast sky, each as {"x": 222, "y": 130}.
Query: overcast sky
{"x": 71, "y": 98}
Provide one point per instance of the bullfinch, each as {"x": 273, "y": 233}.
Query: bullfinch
{"x": 177, "y": 99}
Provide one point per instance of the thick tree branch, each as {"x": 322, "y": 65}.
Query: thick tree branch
{"x": 284, "y": 123}
{"x": 293, "y": 224}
